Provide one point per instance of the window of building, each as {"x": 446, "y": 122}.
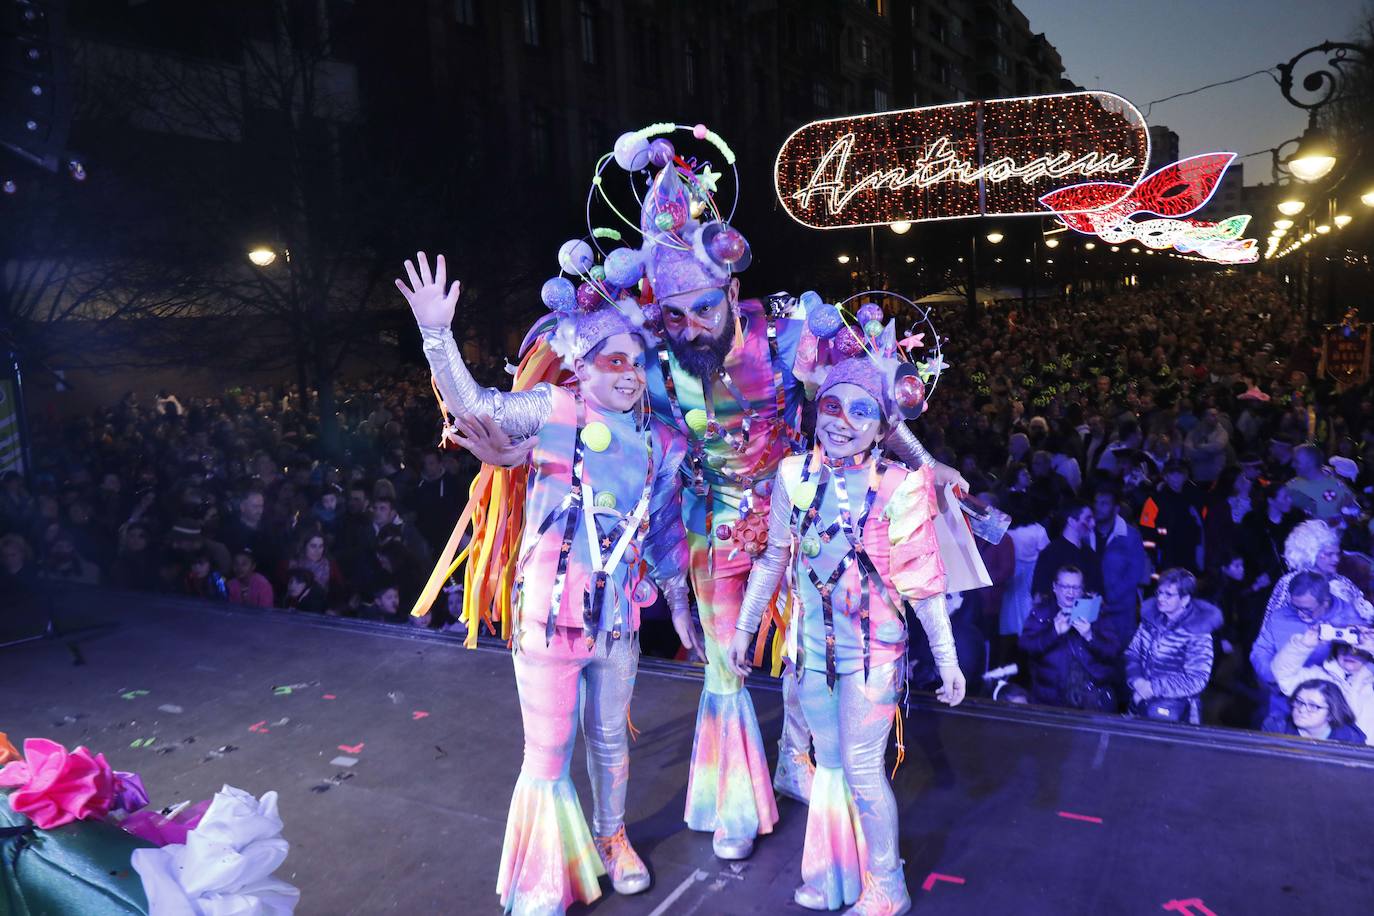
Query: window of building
{"x": 820, "y": 37}
{"x": 820, "y": 95}
{"x": 1002, "y": 64}
{"x": 879, "y": 98}
{"x": 465, "y": 12}
{"x": 529, "y": 22}
{"x": 689, "y": 71}
{"x": 541, "y": 142}
{"x": 939, "y": 28}
{"x": 586, "y": 14}
{"x": 865, "y": 51}
{"x": 915, "y": 60}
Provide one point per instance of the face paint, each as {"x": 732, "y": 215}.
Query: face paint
{"x": 619, "y": 362}
{"x": 848, "y": 421}
{"x": 614, "y": 377}
{"x": 857, "y": 412}
{"x": 702, "y": 309}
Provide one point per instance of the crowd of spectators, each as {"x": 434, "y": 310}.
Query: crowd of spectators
{"x": 1189, "y": 503}
{"x": 226, "y": 498}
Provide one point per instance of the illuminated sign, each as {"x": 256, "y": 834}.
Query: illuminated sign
{"x": 991, "y": 158}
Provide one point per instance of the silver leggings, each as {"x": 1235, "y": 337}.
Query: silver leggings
{"x": 850, "y": 726}
{"x": 562, "y": 681}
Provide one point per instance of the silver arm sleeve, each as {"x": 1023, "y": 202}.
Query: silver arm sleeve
{"x": 675, "y": 593}
{"x": 766, "y": 574}
{"x": 519, "y": 413}
{"x": 904, "y": 444}
{"x": 935, "y": 621}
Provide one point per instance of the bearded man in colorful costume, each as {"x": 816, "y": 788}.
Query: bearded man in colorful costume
{"x": 603, "y": 509}
{"x": 858, "y": 534}
{"x": 726, "y": 380}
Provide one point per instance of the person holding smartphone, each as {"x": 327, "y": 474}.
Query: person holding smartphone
{"x": 1074, "y": 654}
{"x": 1349, "y": 665}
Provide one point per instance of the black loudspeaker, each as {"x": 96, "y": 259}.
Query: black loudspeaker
{"x": 35, "y": 84}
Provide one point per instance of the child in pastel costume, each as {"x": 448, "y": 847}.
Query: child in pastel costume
{"x": 858, "y": 533}
{"x": 602, "y": 495}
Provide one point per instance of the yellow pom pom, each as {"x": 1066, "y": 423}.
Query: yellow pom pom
{"x": 596, "y": 436}
{"x": 697, "y": 421}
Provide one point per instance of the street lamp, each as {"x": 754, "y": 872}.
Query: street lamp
{"x": 1051, "y": 243}
{"x": 1323, "y": 229}
{"x": 843, "y": 259}
{"x": 1367, "y": 198}
{"x": 1341, "y": 220}
{"x": 901, "y": 227}
{"x": 1283, "y": 225}
{"x": 1314, "y": 157}
{"x": 910, "y": 259}
{"x": 994, "y": 237}
{"x": 1291, "y": 207}
{"x": 262, "y": 256}
{"x": 1089, "y": 246}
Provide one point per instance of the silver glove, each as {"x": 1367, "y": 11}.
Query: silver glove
{"x": 519, "y": 413}
{"x": 767, "y": 571}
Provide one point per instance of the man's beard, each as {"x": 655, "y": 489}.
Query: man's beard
{"x": 704, "y": 357}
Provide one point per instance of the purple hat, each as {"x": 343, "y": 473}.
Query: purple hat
{"x": 863, "y": 372}
{"x": 579, "y": 332}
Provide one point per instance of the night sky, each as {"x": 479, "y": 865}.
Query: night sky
{"x": 1145, "y": 51}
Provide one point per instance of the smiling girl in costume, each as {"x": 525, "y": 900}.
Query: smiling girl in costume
{"x": 858, "y": 532}
{"x": 602, "y": 504}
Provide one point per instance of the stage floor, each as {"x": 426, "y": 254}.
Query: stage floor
{"x": 395, "y": 754}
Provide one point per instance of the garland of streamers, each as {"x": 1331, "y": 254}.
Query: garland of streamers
{"x": 495, "y": 516}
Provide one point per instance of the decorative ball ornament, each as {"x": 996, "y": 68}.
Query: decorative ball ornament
{"x": 605, "y": 499}
{"x": 587, "y": 297}
{"x": 678, "y": 210}
{"x": 645, "y": 593}
{"x": 697, "y": 420}
{"x": 559, "y": 295}
{"x": 624, "y": 267}
{"x": 803, "y": 494}
{"x": 910, "y": 393}
{"x": 847, "y": 343}
{"x": 873, "y": 329}
{"x": 598, "y": 273}
{"x": 824, "y": 320}
{"x": 631, "y": 152}
{"x": 661, "y": 152}
{"x": 715, "y": 461}
{"x": 596, "y": 436}
{"x": 728, "y": 245}
{"x": 575, "y": 256}
{"x": 699, "y": 131}
{"x": 664, "y": 221}
{"x": 870, "y": 311}
{"x": 811, "y": 547}
{"x": 724, "y": 532}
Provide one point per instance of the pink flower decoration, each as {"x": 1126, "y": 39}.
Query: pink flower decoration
{"x": 56, "y": 787}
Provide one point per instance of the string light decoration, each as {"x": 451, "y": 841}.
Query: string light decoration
{"x": 988, "y": 158}
{"x": 1172, "y": 192}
